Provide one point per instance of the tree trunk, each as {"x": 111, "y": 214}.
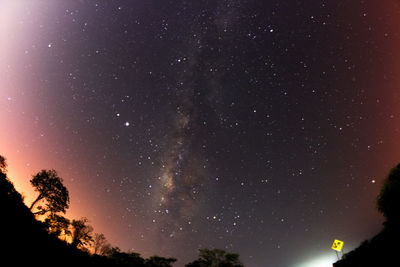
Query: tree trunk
{"x": 36, "y": 200}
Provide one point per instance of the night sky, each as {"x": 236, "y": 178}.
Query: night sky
{"x": 264, "y": 128}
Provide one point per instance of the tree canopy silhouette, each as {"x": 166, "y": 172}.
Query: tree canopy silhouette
{"x": 3, "y": 164}
{"x": 51, "y": 189}
{"x": 126, "y": 259}
{"x": 388, "y": 201}
{"x": 81, "y": 234}
{"x": 57, "y": 225}
{"x": 157, "y": 261}
{"x": 7, "y": 189}
{"x": 216, "y": 258}
{"x": 101, "y": 245}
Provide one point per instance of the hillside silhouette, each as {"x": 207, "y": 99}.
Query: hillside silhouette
{"x": 382, "y": 249}
{"x": 26, "y": 239}
{"x": 57, "y": 241}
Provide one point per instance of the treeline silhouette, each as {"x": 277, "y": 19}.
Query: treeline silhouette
{"x": 382, "y": 249}
{"x": 41, "y": 236}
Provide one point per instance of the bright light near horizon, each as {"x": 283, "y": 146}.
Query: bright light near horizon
{"x": 321, "y": 261}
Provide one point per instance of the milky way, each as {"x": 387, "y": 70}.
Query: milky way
{"x": 182, "y": 178}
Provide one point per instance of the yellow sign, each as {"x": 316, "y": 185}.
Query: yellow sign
{"x": 337, "y": 245}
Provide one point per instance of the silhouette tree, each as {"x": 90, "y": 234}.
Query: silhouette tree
{"x": 157, "y": 261}
{"x": 51, "y": 189}
{"x": 216, "y": 258}
{"x": 3, "y": 164}
{"x": 388, "y": 202}
{"x": 57, "y": 225}
{"x": 7, "y": 189}
{"x": 81, "y": 234}
{"x": 126, "y": 259}
{"x": 100, "y": 245}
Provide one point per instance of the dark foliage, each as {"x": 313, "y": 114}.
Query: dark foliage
{"x": 216, "y": 258}
{"x": 57, "y": 225}
{"x": 156, "y": 261}
{"x": 81, "y": 234}
{"x": 388, "y": 201}
{"x": 100, "y": 245}
{"x": 52, "y": 190}
{"x": 126, "y": 259}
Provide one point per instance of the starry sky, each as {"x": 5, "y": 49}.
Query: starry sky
{"x": 264, "y": 128}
